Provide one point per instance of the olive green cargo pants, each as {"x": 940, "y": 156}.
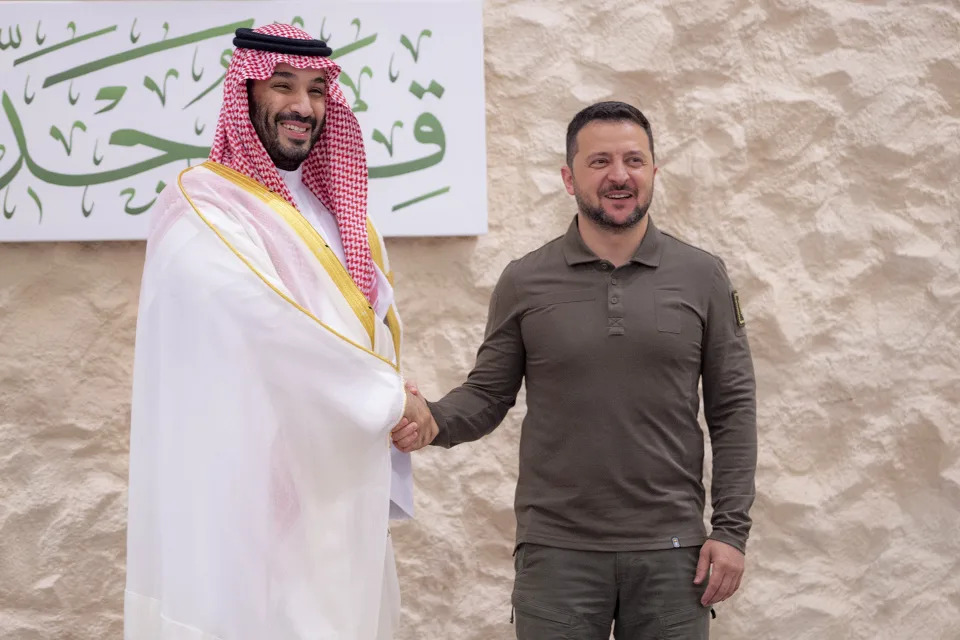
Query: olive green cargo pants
{"x": 564, "y": 594}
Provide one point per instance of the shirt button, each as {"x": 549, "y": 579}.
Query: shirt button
{"x": 614, "y": 300}
{"x": 614, "y": 281}
{"x": 605, "y": 266}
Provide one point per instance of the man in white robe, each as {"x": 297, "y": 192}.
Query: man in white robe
{"x": 267, "y": 375}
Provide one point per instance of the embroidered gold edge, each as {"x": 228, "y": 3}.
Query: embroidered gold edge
{"x": 395, "y": 367}
{"x": 377, "y": 252}
{"x": 320, "y": 249}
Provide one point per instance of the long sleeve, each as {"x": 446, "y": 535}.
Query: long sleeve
{"x": 729, "y": 399}
{"x": 477, "y": 407}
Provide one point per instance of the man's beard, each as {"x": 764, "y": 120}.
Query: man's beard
{"x": 600, "y": 217}
{"x": 268, "y": 130}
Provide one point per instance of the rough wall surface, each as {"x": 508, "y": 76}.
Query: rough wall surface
{"x": 813, "y": 144}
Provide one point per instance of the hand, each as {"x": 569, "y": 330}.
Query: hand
{"x": 727, "y": 563}
{"x": 417, "y": 428}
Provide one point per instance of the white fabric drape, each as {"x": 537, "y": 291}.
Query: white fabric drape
{"x": 260, "y": 464}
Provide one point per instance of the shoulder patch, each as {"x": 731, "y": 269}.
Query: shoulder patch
{"x": 738, "y": 313}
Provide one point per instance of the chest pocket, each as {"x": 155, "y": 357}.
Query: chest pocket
{"x": 667, "y": 305}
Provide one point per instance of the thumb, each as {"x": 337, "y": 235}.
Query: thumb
{"x": 703, "y": 565}
{"x": 412, "y": 388}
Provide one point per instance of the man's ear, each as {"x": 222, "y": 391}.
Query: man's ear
{"x": 567, "y": 174}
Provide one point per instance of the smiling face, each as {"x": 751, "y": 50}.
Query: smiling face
{"x": 611, "y": 175}
{"x": 287, "y": 112}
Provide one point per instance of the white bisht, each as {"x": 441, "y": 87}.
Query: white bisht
{"x": 265, "y": 388}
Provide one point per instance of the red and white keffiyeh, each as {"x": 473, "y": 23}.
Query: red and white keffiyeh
{"x": 336, "y": 169}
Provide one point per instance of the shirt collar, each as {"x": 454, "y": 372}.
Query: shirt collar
{"x": 576, "y": 251}
{"x": 294, "y": 176}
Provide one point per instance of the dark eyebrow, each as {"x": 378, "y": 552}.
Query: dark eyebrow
{"x": 605, "y": 154}
{"x": 287, "y": 75}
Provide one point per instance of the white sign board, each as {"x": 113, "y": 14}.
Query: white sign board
{"x": 104, "y": 103}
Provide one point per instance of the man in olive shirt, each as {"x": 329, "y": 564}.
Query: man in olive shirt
{"x": 613, "y": 325}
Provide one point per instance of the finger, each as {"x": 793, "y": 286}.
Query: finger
{"x": 412, "y": 388}
{"x": 723, "y": 589}
{"x": 404, "y": 421}
{"x": 703, "y": 565}
{"x": 405, "y": 432}
{"x": 410, "y": 448}
{"x": 736, "y": 587}
{"x": 403, "y": 427}
{"x": 713, "y": 587}
{"x": 408, "y": 441}
{"x": 726, "y": 589}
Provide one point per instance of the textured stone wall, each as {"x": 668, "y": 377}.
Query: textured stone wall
{"x": 813, "y": 144}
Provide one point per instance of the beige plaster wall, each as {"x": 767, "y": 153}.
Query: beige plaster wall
{"x": 813, "y": 144}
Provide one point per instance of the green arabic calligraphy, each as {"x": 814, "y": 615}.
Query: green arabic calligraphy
{"x": 415, "y": 51}
{"x": 146, "y": 50}
{"x": 8, "y": 213}
{"x": 11, "y": 173}
{"x": 11, "y": 41}
{"x": 426, "y": 130}
{"x": 393, "y": 76}
{"x": 151, "y": 84}
{"x": 66, "y": 141}
{"x": 224, "y": 62}
{"x": 379, "y": 137}
{"x": 83, "y": 204}
{"x": 110, "y": 93}
{"x": 193, "y": 67}
{"x": 435, "y": 88}
{"x": 36, "y": 198}
{"x": 66, "y": 43}
{"x": 358, "y": 104}
{"x": 426, "y": 196}
{"x": 170, "y": 152}
{"x": 131, "y": 193}
{"x": 353, "y": 46}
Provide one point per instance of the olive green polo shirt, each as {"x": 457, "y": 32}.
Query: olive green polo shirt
{"x": 611, "y": 453}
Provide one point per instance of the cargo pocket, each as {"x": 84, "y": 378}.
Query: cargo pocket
{"x": 686, "y": 624}
{"x": 535, "y": 622}
{"x": 518, "y": 557}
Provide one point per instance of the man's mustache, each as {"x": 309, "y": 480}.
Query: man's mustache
{"x": 622, "y": 187}
{"x": 295, "y": 117}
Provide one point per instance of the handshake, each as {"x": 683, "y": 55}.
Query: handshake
{"x": 416, "y": 428}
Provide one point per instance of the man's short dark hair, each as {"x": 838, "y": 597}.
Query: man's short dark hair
{"x": 610, "y": 112}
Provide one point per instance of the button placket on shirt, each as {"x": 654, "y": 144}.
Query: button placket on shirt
{"x": 614, "y": 301}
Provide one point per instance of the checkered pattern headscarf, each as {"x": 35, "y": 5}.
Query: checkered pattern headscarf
{"x": 336, "y": 169}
